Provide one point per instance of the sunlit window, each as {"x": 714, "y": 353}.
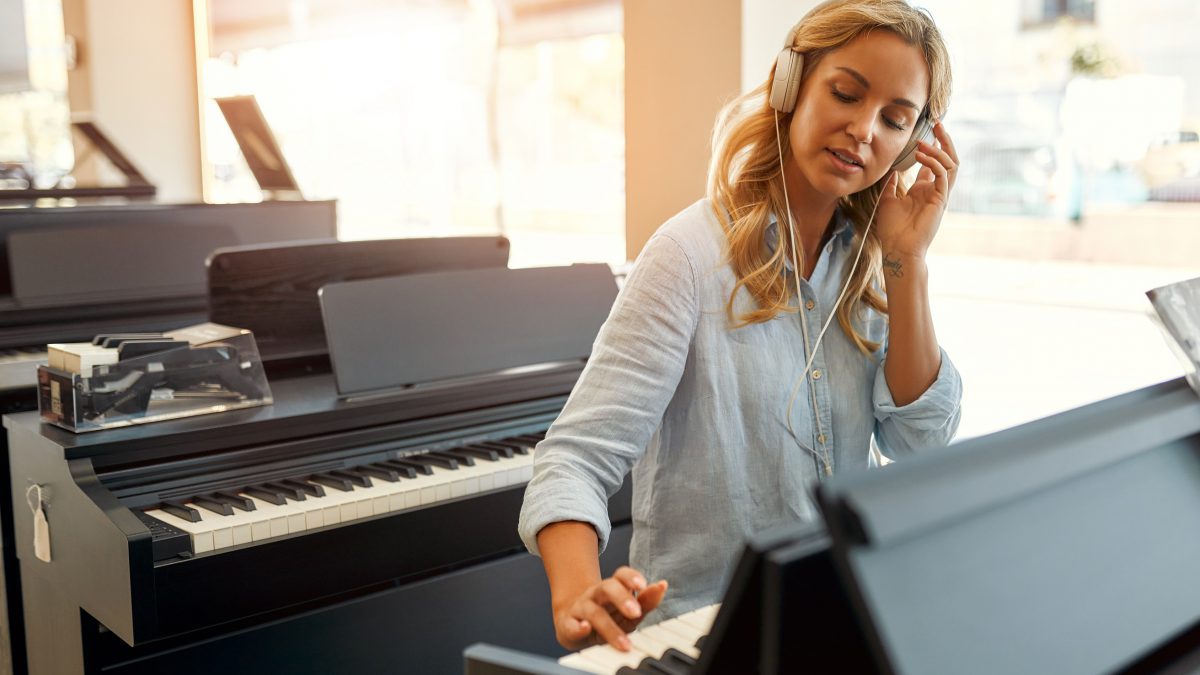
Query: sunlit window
{"x": 35, "y": 131}
{"x": 436, "y": 118}
{"x": 1076, "y": 124}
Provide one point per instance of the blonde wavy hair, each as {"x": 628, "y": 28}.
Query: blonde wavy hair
{"x": 745, "y": 180}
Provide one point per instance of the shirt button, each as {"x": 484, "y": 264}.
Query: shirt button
{"x": 821, "y": 439}
{"x": 810, "y": 304}
{"x": 816, "y": 374}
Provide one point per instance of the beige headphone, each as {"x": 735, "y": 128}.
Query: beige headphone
{"x": 785, "y": 89}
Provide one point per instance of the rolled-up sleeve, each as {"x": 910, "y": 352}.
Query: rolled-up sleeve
{"x": 928, "y": 422}
{"x": 617, "y": 404}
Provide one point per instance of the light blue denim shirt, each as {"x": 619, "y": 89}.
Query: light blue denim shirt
{"x": 698, "y": 411}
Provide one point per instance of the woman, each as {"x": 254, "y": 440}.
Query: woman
{"x": 714, "y": 377}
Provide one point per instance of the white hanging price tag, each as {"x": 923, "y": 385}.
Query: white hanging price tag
{"x": 41, "y": 527}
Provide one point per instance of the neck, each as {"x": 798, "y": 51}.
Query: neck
{"x": 812, "y": 216}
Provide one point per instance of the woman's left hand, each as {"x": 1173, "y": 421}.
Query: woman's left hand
{"x": 907, "y": 220}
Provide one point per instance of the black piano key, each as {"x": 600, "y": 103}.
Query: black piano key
{"x": 477, "y": 452}
{"x": 468, "y": 460}
{"x": 181, "y": 510}
{"x": 430, "y": 461}
{"x": 658, "y": 667}
{"x": 384, "y": 472}
{"x": 403, "y": 468}
{"x": 358, "y": 479}
{"x": 293, "y": 493}
{"x": 329, "y": 480}
{"x": 420, "y": 468}
{"x": 304, "y": 486}
{"x": 503, "y": 449}
{"x": 266, "y": 494}
{"x": 673, "y": 655}
{"x": 215, "y": 505}
{"x": 700, "y": 642}
{"x": 519, "y": 446}
{"x": 236, "y": 501}
{"x": 626, "y": 670}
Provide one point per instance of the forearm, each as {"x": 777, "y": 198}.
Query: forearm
{"x": 913, "y": 356}
{"x": 571, "y": 556}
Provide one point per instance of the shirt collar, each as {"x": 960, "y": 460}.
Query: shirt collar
{"x": 842, "y": 232}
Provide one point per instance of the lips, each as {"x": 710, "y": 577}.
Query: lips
{"x": 846, "y": 156}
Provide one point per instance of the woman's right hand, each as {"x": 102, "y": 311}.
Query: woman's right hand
{"x": 606, "y": 611}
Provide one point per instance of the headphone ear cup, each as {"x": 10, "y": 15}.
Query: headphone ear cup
{"x": 908, "y": 156}
{"x": 785, "y": 87}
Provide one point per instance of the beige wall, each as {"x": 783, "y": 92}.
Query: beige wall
{"x": 682, "y": 63}
{"x": 136, "y": 77}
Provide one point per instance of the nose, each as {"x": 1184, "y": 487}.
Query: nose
{"x": 861, "y": 127}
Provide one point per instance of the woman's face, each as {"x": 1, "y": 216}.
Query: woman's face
{"x": 856, "y": 112}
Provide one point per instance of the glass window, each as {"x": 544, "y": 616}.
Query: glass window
{"x": 436, "y": 118}
{"x": 35, "y": 129}
{"x": 1076, "y": 125}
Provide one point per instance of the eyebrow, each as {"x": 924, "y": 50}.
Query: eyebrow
{"x": 863, "y": 81}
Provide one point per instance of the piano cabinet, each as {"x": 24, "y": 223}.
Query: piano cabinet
{"x": 394, "y": 592}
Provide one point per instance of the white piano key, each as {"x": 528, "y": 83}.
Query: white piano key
{"x": 671, "y": 639}
{"x": 684, "y": 635}
{"x": 581, "y": 662}
{"x": 267, "y": 520}
{"x": 612, "y": 658}
{"x": 222, "y": 532}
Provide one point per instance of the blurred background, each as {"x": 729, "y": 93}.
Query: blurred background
{"x": 1077, "y": 123}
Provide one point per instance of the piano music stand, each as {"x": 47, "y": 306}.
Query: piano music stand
{"x": 137, "y": 185}
{"x": 271, "y": 289}
{"x": 259, "y": 147}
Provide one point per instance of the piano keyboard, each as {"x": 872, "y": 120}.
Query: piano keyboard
{"x": 671, "y": 646}
{"x": 18, "y": 366}
{"x": 263, "y": 511}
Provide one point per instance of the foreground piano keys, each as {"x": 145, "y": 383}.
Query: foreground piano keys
{"x": 671, "y": 646}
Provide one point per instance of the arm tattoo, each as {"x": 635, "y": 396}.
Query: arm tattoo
{"x": 893, "y": 266}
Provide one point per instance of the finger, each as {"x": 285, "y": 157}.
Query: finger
{"x": 939, "y": 154}
{"x": 574, "y": 629}
{"x": 603, "y": 624}
{"x": 653, "y": 595}
{"x": 941, "y": 179}
{"x": 613, "y": 593}
{"x": 944, "y": 140}
{"x": 631, "y": 578}
{"x": 924, "y": 174}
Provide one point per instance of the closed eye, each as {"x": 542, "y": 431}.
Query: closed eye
{"x": 846, "y": 98}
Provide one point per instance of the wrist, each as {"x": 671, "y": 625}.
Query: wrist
{"x": 900, "y": 265}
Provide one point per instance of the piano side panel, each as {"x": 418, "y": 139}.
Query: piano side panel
{"x": 422, "y": 627}
{"x": 95, "y": 547}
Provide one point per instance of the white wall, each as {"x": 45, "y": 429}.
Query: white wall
{"x": 137, "y": 79}
{"x": 765, "y": 24}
